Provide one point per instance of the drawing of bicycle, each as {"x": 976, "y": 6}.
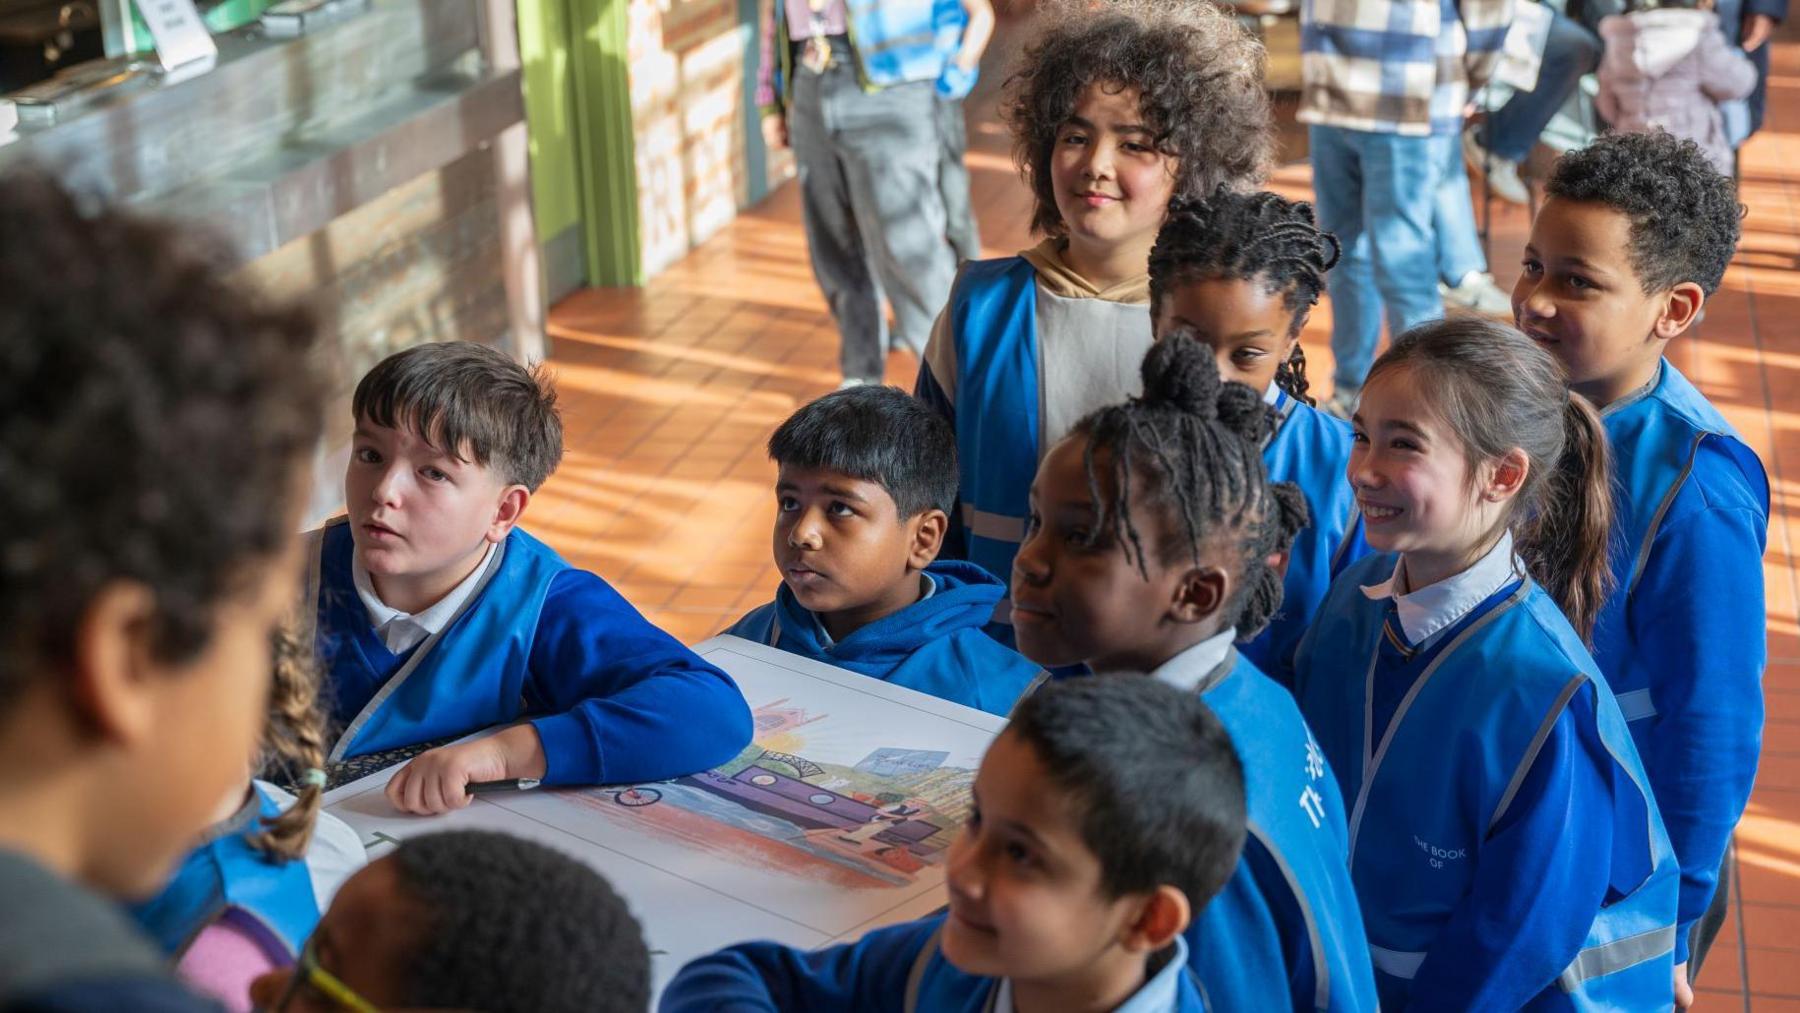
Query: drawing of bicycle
{"x": 634, "y": 797}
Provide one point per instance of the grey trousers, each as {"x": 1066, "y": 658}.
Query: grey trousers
{"x": 874, "y": 215}
{"x": 953, "y": 180}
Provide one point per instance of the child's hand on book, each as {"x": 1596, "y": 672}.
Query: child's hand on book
{"x": 437, "y": 781}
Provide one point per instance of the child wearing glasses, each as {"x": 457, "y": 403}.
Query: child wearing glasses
{"x": 469, "y": 919}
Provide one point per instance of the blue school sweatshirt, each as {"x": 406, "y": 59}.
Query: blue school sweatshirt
{"x": 1683, "y": 639}
{"x": 614, "y": 699}
{"x": 935, "y": 645}
{"x": 898, "y": 969}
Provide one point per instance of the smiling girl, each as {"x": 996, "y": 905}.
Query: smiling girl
{"x": 1115, "y": 108}
{"x": 1503, "y": 840}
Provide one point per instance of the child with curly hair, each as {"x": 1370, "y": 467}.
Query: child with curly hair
{"x": 1116, "y": 108}
{"x": 1633, "y": 239}
{"x": 156, "y": 421}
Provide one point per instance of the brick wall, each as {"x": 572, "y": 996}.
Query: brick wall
{"x": 687, "y": 74}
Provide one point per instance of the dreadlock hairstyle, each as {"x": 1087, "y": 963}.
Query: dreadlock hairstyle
{"x": 1251, "y": 237}
{"x": 1192, "y": 444}
{"x": 293, "y": 744}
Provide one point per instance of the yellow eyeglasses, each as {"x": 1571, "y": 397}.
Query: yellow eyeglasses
{"x": 308, "y": 974}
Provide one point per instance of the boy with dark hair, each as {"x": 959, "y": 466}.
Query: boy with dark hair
{"x": 155, "y": 430}
{"x": 1085, "y": 854}
{"x": 1634, "y": 236}
{"x": 470, "y": 919}
{"x": 867, "y": 480}
{"x": 438, "y": 616}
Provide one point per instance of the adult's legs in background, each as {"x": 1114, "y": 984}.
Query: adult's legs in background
{"x": 1509, "y": 132}
{"x": 953, "y": 180}
{"x": 834, "y": 241}
{"x": 1377, "y": 193}
{"x": 1461, "y": 262}
{"x": 889, "y": 141}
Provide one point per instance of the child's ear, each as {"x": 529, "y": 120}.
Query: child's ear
{"x": 112, "y": 663}
{"x": 513, "y": 501}
{"x": 1201, "y": 592}
{"x": 928, "y": 533}
{"x": 1507, "y": 476}
{"x": 1681, "y": 307}
{"x": 1165, "y": 914}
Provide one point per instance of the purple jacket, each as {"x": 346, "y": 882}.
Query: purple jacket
{"x": 1670, "y": 68}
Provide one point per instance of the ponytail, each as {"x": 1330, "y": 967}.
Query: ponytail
{"x": 1566, "y": 541}
{"x": 294, "y": 747}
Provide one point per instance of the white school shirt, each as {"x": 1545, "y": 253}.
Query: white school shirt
{"x": 1430, "y": 609}
{"x": 1187, "y": 670}
{"x": 403, "y": 631}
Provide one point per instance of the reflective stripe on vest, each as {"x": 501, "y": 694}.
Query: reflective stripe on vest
{"x": 1398, "y": 963}
{"x": 1610, "y": 958}
{"x": 1637, "y": 705}
{"x": 998, "y": 527}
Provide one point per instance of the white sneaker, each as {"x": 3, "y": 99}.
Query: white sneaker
{"x": 1502, "y": 173}
{"x": 854, "y": 381}
{"x": 1477, "y": 293}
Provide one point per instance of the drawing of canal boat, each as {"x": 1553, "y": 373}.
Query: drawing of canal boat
{"x": 813, "y": 808}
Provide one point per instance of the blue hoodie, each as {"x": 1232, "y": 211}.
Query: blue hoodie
{"x": 935, "y": 645}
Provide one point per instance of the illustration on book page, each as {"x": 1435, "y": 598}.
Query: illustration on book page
{"x": 835, "y": 819}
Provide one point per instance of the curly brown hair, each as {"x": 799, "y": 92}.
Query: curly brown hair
{"x": 1198, "y": 72}
{"x": 153, "y": 420}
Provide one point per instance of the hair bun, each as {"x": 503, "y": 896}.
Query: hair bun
{"x": 1242, "y": 410}
{"x": 1180, "y": 372}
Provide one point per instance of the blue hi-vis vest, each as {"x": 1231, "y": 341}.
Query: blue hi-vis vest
{"x": 993, "y": 312}
{"x": 226, "y": 872}
{"x": 1312, "y": 450}
{"x": 1445, "y": 771}
{"x": 1655, "y": 440}
{"x": 468, "y": 676}
{"x": 896, "y": 42}
{"x": 1296, "y": 816}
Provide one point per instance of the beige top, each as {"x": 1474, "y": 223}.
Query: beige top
{"x": 1091, "y": 343}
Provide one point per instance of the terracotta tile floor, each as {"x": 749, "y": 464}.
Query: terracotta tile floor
{"x": 670, "y": 391}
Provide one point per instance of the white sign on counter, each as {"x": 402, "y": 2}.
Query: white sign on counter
{"x": 181, "y": 37}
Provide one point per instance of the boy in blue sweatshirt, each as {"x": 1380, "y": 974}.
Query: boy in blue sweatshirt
{"x": 868, "y": 476}
{"x": 1085, "y": 854}
{"x": 1633, "y": 238}
{"x": 438, "y": 616}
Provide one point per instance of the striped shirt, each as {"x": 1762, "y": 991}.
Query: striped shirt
{"x": 1397, "y": 66}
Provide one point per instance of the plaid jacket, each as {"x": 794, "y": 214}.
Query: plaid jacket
{"x": 1397, "y": 66}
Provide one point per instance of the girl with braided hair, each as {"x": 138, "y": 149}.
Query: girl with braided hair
{"x": 1243, "y": 271}
{"x": 248, "y": 896}
{"x": 1152, "y": 546}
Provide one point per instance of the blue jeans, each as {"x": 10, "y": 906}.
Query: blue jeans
{"x": 1570, "y": 51}
{"x": 1377, "y": 194}
{"x": 1453, "y": 216}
